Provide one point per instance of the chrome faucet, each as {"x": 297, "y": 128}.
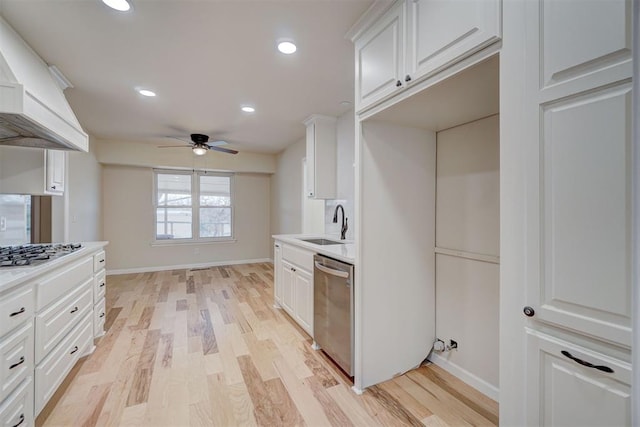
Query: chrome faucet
{"x": 344, "y": 227}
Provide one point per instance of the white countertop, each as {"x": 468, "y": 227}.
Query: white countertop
{"x": 12, "y": 276}
{"x": 344, "y": 252}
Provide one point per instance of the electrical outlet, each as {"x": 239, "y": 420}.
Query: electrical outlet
{"x": 3, "y": 223}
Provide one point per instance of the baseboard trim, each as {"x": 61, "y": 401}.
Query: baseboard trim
{"x": 185, "y": 266}
{"x": 478, "y": 383}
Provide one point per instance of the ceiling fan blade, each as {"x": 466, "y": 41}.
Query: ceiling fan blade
{"x": 223, "y": 150}
{"x": 174, "y": 146}
{"x": 188, "y": 141}
{"x": 216, "y": 143}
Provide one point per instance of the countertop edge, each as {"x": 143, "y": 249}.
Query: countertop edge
{"x": 330, "y": 250}
{"x": 15, "y": 276}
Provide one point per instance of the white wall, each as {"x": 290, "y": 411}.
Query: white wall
{"x": 345, "y": 191}
{"x": 468, "y": 220}
{"x": 287, "y": 187}
{"x": 129, "y": 224}
{"x": 84, "y": 193}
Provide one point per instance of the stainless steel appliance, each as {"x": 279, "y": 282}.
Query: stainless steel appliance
{"x": 333, "y": 310}
{"x": 30, "y": 255}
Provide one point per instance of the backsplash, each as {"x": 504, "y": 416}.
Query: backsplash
{"x": 329, "y": 209}
{"x": 15, "y": 219}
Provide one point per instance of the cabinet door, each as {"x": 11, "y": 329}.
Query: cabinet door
{"x": 277, "y": 273}
{"x": 380, "y": 58}
{"x": 441, "y": 32}
{"x": 304, "y": 300}
{"x": 288, "y": 287}
{"x": 567, "y": 393}
{"x": 310, "y": 181}
{"x": 55, "y": 170}
{"x": 565, "y": 183}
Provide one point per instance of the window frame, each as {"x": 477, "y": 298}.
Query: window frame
{"x": 195, "y": 207}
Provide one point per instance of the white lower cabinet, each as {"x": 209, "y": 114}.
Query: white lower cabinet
{"x": 294, "y": 284}
{"x": 50, "y": 373}
{"x": 17, "y": 409}
{"x": 16, "y": 358}
{"x": 575, "y": 386}
{"x": 277, "y": 275}
{"x": 99, "y": 293}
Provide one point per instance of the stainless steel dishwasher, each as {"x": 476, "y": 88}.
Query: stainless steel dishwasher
{"x": 333, "y": 310}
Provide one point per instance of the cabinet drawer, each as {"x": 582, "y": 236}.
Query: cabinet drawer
{"x": 99, "y": 261}
{"x": 59, "y": 318}
{"x": 16, "y": 358}
{"x": 99, "y": 316}
{"x": 100, "y": 286}
{"x": 17, "y": 410}
{"x": 16, "y": 307}
{"x": 50, "y": 373}
{"x": 564, "y": 376}
{"x": 297, "y": 256}
{"x": 62, "y": 281}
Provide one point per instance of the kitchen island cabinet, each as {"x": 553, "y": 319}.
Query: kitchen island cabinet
{"x": 49, "y": 325}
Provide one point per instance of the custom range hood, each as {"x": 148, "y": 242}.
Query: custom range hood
{"x": 33, "y": 109}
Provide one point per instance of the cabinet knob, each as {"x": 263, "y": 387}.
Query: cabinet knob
{"x": 398, "y": 83}
{"x": 407, "y": 78}
{"x": 53, "y": 187}
{"x": 529, "y": 311}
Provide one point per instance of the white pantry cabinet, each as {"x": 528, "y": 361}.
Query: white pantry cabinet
{"x": 566, "y": 212}
{"x": 415, "y": 39}
{"x": 32, "y": 171}
{"x": 321, "y": 157}
{"x": 294, "y": 283}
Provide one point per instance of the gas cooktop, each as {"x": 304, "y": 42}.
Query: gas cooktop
{"x": 36, "y": 254}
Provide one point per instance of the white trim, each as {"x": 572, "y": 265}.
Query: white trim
{"x": 186, "y": 266}
{"x": 635, "y": 226}
{"x": 462, "y": 374}
{"x": 177, "y": 242}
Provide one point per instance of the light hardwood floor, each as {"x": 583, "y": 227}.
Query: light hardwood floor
{"x": 206, "y": 347}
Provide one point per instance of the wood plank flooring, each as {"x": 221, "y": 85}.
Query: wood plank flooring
{"x": 206, "y": 347}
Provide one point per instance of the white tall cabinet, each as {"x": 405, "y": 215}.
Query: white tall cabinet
{"x": 566, "y": 237}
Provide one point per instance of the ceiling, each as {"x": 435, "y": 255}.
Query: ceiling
{"x": 203, "y": 58}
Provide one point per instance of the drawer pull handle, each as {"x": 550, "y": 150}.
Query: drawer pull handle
{"x": 102, "y": 260}
{"x": 102, "y": 285}
{"x": 587, "y": 364}
{"x": 74, "y": 310}
{"x": 15, "y": 313}
{"x": 74, "y": 349}
{"x": 101, "y": 315}
{"x": 17, "y": 363}
{"x": 21, "y": 420}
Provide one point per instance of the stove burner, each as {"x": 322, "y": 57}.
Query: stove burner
{"x": 30, "y": 255}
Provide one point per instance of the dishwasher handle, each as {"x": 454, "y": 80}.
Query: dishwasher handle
{"x": 331, "y": 271}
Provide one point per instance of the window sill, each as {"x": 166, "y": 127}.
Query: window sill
{"x": 179, "y": 242}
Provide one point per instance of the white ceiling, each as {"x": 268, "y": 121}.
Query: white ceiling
{"x": 204, "y": 59}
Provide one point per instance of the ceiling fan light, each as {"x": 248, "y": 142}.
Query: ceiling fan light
{"x": 199, "y": 151}
{"x": 119, "y": 5}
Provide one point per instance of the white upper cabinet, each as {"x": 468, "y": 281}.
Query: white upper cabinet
{"x": 443, "y": 31}
{"x": 380, "y": 58}
{"x": 55, "y": 171}
{"x": 32, "y": 171}
{"x": 418, "y": 38}
{"x": 321, "y": 157}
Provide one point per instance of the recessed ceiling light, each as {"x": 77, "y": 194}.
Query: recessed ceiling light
{"x": 119, "y": 5}
{"x": 248, "y": 109}
{"x": 146, "y": 92}
{"x": 287, "y": 47}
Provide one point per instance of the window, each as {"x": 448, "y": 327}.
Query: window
{"x": 193, "y": 206}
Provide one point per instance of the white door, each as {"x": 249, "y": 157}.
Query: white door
{"x": 288, "y": 281}
{"x": 380, "y": 58}
{"x": 440, "y": 32}
{"x": 566, "y": 205}
{"x": 304, "y": 300}
{"x": 55, "y": 170}
{"x": 277, "y": 274}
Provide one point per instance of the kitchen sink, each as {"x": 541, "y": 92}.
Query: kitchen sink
{"x": 322, "y": 242}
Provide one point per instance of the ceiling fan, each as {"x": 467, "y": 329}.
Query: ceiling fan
{"x": 200, "y": 144}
